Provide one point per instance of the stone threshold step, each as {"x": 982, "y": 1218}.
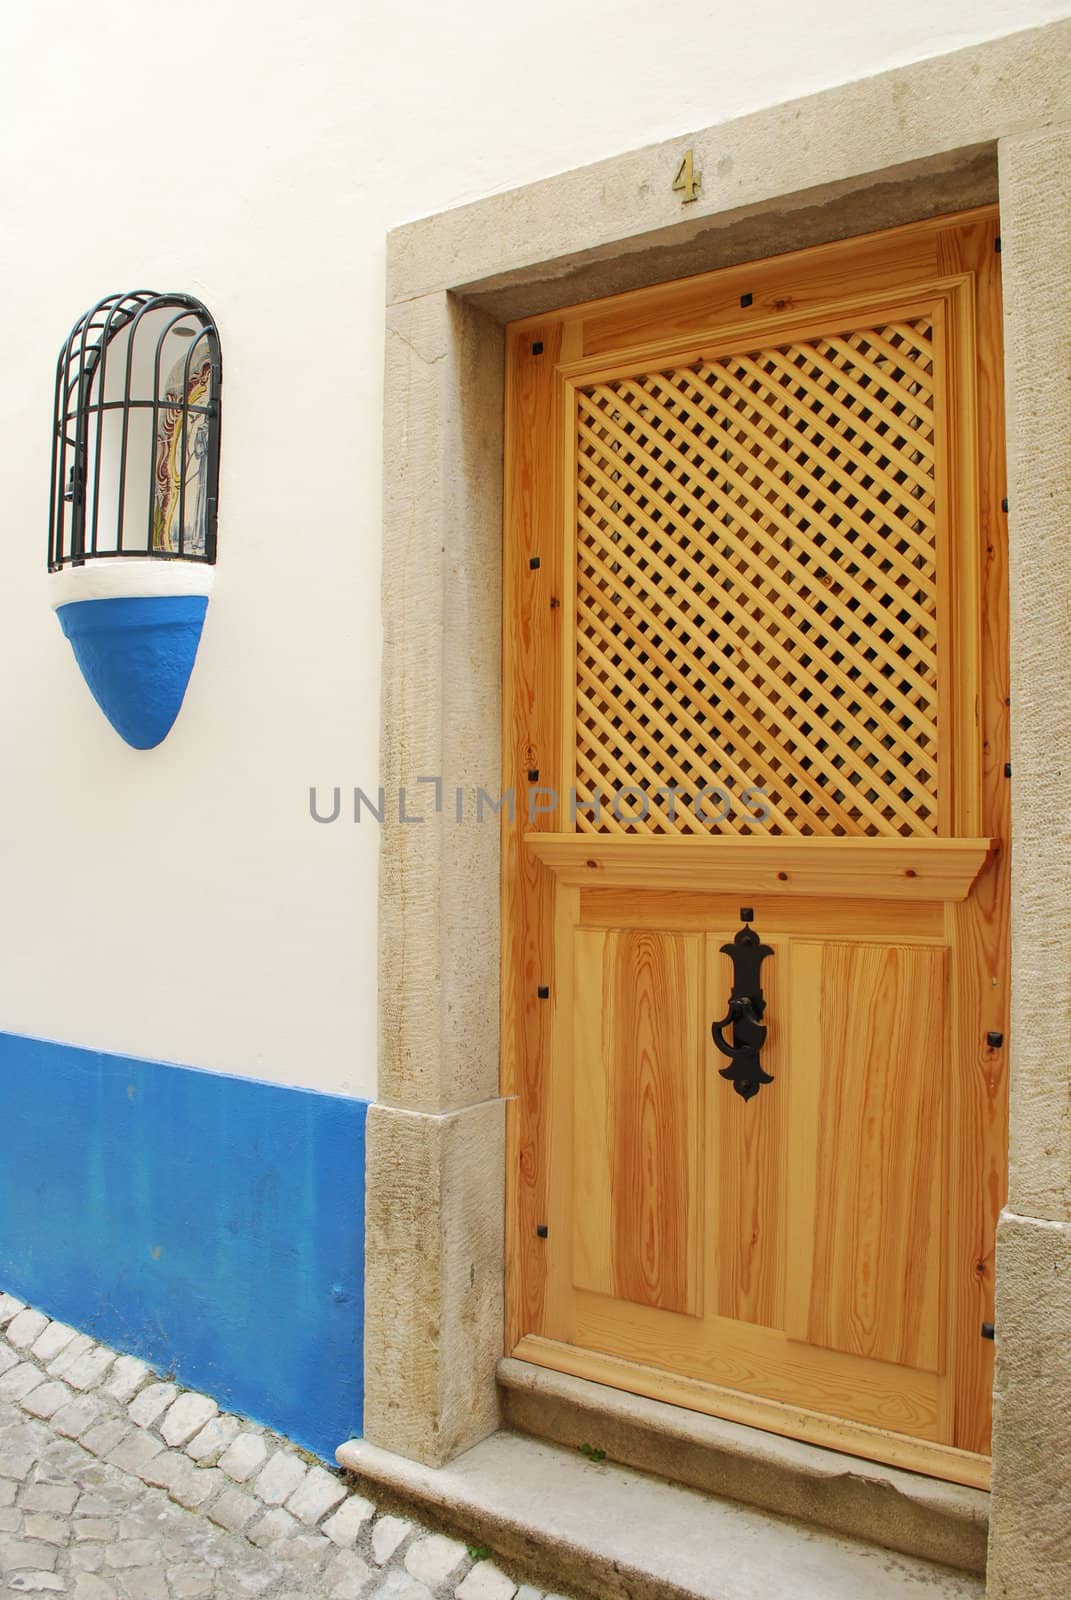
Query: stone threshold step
{"x": 611, "y": 1532}
{"x": 904, "y": 1511}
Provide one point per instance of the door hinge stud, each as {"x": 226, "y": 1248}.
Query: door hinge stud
{"x": 994, "y": 1039}
{"x": 1007, "y": 769}
{"x": 533, "y": 563}
{"x": 537, "y": 348}
{"x": 543, "y": 991}
{"x": 996, "y": 244}
{"x": 989, "y": 1330}
{"x": 541, "y": 1230}
{"x": 1004, "y": 504}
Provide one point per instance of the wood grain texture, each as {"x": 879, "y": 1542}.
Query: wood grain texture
{"x": 530, "y": 742}
{"x": 638, "y": 1096}
{"x": 900, "y": 869}
{"x": 867, "y": 1188}
{"x": 740, "y": 1342}
{"x": 795, "y": 1422}
{"x": 792, "y": 283}
{"x": 699, "y": 911}
{"x": 564, "y": 1174}
{"x": 761, "y": 1361}
{"x": 979, "y": 929}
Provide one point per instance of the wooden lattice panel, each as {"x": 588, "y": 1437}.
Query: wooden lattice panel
{"x": 756, "y": 589}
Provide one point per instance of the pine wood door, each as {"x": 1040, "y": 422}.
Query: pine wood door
{"x": 755, "y": 669}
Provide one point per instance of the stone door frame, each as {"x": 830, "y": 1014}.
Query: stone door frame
{"x": 941, "y": 135}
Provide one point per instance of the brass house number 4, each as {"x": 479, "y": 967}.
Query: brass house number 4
{"x": 687, "y": 181}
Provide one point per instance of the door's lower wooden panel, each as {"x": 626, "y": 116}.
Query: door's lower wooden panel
{"x": 790, "y": 1246}
{"x": 795, "y": 1422}
{"x": 866, "y": 1166}
{"x": 637, "y": 1107}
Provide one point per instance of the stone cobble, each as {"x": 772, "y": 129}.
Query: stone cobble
{"x": 115, "y": 1484}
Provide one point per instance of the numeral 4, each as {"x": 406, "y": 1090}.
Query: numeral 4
{"x": 687, "y": 180}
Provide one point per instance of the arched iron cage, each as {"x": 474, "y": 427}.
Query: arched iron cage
{"x": 135, "y": 446}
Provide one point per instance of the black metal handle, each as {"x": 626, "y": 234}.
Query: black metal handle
{"x": 742, "y": 1011}
{"x": 747, "y": 1005}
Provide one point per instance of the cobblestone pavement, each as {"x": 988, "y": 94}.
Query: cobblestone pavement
{"x": 117, "y": 1485}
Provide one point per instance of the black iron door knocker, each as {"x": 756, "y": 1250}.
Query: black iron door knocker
{"x": 746, "y": 1007}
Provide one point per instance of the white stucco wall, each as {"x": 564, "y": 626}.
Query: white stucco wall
{"x": 180, "y": 903}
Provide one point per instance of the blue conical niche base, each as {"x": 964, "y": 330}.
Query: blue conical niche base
{"x": 136, "y": 654}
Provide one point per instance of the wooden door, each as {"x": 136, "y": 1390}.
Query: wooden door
{"x": 756, "y": 675}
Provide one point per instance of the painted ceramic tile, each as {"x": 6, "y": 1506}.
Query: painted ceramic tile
{"x": 174, "y": 455}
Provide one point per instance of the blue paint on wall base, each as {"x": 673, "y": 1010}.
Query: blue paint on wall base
{"x": 136, "y": 655}
{"x": 212, "y": 1225}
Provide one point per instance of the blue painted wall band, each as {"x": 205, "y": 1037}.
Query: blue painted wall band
{"x": 137, "y": 654}
{"x": 212, "y": 1225}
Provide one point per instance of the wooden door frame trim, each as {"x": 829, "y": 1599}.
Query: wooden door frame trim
{"x": 927, "y": 139}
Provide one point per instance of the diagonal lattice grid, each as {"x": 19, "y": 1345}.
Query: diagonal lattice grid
{"x": 756, "y": 592}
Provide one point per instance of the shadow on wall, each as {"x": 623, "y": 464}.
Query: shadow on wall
{"x": 212, "y": 1225}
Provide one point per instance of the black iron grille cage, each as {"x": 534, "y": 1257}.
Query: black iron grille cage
{"x": 135, "y": 444}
